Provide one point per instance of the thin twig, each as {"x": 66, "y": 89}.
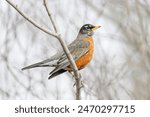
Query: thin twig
{"x": 64, "y": 46}
{"x": 31, "y": 20}
{"x": 50, "y": 16}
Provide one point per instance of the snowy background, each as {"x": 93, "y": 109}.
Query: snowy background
{"x": 120, "y": 68}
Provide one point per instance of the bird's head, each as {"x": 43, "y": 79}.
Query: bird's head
{"x": 88, "y": 29}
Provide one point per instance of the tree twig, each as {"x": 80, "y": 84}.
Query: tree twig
{"x": 64, "y": 46}
{"x": 32, "y": 21}
{"x": 50, "y": 16}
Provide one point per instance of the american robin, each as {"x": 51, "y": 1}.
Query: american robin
{"x": 81, "y": 49}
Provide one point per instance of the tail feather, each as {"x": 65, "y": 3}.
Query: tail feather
{"x": 45, "y": 63}
{"x": 33, "y": 66}
{"x": 56, "y": 73}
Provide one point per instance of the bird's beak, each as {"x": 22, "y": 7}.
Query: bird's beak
{"x": 96, "y": 27}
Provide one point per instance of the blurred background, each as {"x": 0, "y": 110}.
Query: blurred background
{"x": 120, "y": 68}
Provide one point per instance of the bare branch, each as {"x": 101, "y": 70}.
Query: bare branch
{"x": 50, "y": 16}
{"x": 31, "y": 20}
{"x": 68, "y": 54}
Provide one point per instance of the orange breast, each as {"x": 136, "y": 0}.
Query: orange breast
{"x": 85, "y": 59}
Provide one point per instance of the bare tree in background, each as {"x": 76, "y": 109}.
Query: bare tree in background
{"x": 129, "y": 77}
{"x": 121, "y": 65}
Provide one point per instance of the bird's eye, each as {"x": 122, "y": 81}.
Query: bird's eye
{"x": 86, "y": 28}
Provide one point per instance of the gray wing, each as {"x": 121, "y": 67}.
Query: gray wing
{"x": 77, "y": 49}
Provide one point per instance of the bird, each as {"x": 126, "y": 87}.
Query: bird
{"x": 81, "y": 49}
